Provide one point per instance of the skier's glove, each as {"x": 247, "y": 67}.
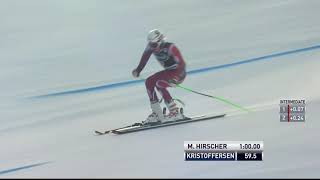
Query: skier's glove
{"x": 135, "y": 73}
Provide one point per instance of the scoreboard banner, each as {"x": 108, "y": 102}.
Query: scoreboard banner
{"x": 293, "y": 110}
{"x": 223, "y": 150}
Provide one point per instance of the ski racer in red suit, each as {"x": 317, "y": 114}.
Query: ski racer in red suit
{"x": 169, "y": 56}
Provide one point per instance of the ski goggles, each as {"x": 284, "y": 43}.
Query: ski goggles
{"x": 154, "y": 44}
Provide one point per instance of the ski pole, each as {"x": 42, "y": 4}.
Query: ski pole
{"x": 214, "y": 97}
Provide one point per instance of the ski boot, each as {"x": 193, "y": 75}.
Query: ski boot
{"x": 156, "y": 116}
{"x": 175, "y": 113}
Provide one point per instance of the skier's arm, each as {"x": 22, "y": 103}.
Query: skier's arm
{"x": 144, "y": 59}
{"x": 174, "y": 51}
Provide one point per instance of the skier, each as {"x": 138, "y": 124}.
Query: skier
{"x": 174, "y": 73}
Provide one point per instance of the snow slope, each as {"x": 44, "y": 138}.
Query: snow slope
{"x": 50, "y": 46}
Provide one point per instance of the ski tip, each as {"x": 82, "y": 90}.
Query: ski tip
{"x": 101, "y": 133}
{"x": 98, "y": 132}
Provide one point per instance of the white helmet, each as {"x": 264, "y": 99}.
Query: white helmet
{"x": 155, "y": 36}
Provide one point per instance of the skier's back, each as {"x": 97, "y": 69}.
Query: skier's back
{"x": 169, "y": 56}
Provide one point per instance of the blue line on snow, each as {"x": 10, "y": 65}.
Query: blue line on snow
{"x": 267, "y": 57}
{"x": 107, "y": 86}
{"x": 126, "y": 83}
{"x": 21, "y": 168}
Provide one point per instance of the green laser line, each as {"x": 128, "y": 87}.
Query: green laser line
{"x": 214, "y": 97}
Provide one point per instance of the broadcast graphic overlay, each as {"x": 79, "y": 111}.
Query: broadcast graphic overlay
{"x": 223, "y": 150}
{"x": 292, "y": 110}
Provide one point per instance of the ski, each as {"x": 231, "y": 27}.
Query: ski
{"x": 139, "y": 127}
{"x": 109, "y": 131}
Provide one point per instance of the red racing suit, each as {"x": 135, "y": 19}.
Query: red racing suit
{"x": 169, "y": 56}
